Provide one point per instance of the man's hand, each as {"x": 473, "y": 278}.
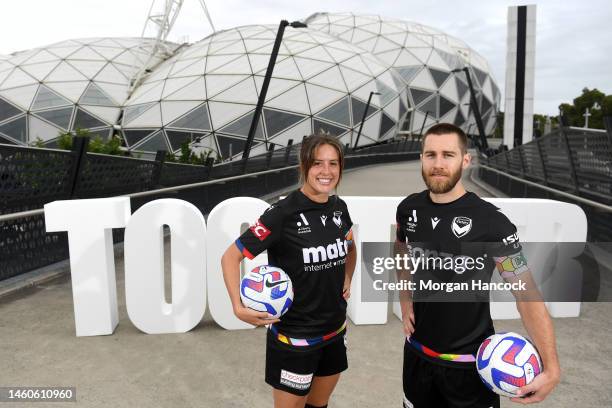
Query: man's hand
{"x": 538, "y": 389}
{"x": 254, "y": 317}
{"x": 408, "y": 320}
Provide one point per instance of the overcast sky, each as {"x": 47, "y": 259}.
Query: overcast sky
{"x": 573, "y": 45}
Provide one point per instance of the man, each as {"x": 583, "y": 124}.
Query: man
{"x": 442, "y": 338}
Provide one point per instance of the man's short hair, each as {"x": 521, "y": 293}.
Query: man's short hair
{"x": 444, "y": 129}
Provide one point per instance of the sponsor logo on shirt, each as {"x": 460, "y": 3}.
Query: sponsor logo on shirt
{"x": 323, "y": 253}
{"x": 260, "y": 230}
{"x": 434, "y": 222}
{"x": 296, "y": 381}
{"x": 461, "y": 226}
{"x": 411, "y": 224}
{"x": 511, "y": 239}
{"x": 303, "y": 226}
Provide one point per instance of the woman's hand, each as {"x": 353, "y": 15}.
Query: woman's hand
{"x": 254, "y": 317}
{"x": 346, "y": 288}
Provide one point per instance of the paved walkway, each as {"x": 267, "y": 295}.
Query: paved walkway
{"x": 212, "y": 367}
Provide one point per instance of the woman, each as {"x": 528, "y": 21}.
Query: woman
{"x": 308, "y": 235}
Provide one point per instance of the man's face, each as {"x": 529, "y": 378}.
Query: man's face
{"x": 442, "y": 162}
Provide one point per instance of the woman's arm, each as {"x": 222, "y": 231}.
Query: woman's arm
{"x": 349, "y": 268}
{"x": 230, "y": 263}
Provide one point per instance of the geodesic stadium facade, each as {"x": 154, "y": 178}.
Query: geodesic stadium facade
{"x": 205, "y": 93}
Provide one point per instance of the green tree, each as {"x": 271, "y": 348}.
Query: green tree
{"x": 575, "y": 112}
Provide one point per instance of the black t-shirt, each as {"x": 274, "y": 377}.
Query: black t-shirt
{"x": 448, "y": 228}
{"x": 309, "y": 241}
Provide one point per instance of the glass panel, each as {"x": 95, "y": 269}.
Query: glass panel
{"x": 84, "y": 120}
{"x": 241, "y": 127}
{"x": 386, "y": 94}
{"x": 419, "y": 96}
{"x": 460, "y": 119}
{"x": 95, "y": 96}
{"x": 134, "y": 136}
{"x": 485, "y": 105}
{"x": 462, "y": 88}
{"x": 320, "y": 126}
{"x": 406, "y": 124}
{"x": 338, "y": 112}
{"x": 408, "y": 73}
{"x": 438, "y": 76}
{"x": 480, "y": 75}
{"x": 155, "y": 143}
{"x": 445, "y": 106}
{"x": 227, "y": 144}
{"x": 132, "y": 112}
{"x": 385, "y": 124}
{"x": 46, "y": 98}
{"x": 402, "y": 108}
{"x": 276, "y": 121}
{"x": 196, "y": 119}
{"x": 6, "y": 141}
{"x": 358, "y": 109}
{"x": 15, "y": 129}
{"x": 177, "y": 138}
{"x": 60, "y": 117}
{"x": 430, "y": 106}
{"x": 7, "y": 110}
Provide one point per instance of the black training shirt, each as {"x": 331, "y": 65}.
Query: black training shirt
{"x": 309, "y": 241}
{"x": 453, "y": 327}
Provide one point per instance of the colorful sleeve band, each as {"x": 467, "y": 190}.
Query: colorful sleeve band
{"x": 511, "y": 265}
{"x": 243, "y": 249}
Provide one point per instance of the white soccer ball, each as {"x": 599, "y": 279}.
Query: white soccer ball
{"x": 506, "y": 362}
{"x": 267, "y": 289}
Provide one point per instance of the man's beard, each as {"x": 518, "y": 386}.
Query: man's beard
{"x": 441, "y": 186}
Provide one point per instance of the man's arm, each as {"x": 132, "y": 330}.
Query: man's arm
{"x": 539, "y": 326}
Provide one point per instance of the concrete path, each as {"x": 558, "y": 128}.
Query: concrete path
{"x": 212, "y": 367}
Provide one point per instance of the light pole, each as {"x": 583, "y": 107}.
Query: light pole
{"x": 423, "y": 125}
{"x": 475, "y": 107}
{"x": 365, "y": 112}
{"x": 266, "y": 83}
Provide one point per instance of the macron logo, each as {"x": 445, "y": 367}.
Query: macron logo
{"x": 325, "y": 253}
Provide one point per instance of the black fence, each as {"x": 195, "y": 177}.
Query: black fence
{"x": 31, "y": 177}
{"x": 570, "y": 160}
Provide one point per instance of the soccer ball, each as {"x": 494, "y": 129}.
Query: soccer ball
{"x": 267, "y": 289}
{"x": 506, "y": 362}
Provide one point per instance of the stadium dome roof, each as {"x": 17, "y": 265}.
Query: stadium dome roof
{"x": 424, "y": 57}
{"x": 205, "y": 93}
{"x": 208, "y": 92}
{"x": 81, "y": 83}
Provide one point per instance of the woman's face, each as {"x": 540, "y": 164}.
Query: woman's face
{"x": 324, "y": 173}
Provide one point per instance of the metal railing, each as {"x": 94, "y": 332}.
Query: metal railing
{"x": 30, "y": 178}
{"x": 568, "y": 164}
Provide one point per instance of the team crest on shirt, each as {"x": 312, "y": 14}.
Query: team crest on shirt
{"x": 461, "y": 226}
{"x": 337, "y": 219}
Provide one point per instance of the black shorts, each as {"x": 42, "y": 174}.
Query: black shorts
{"x": 290, "y": 368}
{"x": 427, "y": 385}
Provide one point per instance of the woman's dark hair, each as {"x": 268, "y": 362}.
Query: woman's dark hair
{"x": 309, "y": 147}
